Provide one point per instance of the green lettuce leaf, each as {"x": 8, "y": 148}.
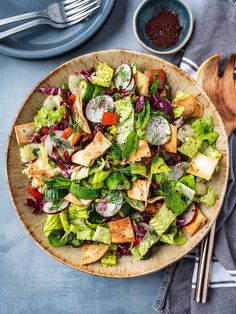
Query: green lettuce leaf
{"x": 159, "y": 166}
{"x": 64, "y": 221}
{"x": 81, "y": 192}
{"x": 135, "y": 203}
{"x": 48, "y": 117}
{"x": 204, "y": 130}
{"x": 82, "y": 231}
{"x": 97, "y": 180}
{"x": 175, "y": 200}
{"x": 131, "y": 144}
{"x": 58, "y": 182}
{"x": 190, "y": 147}
{"x": 138, "y": 168}
{"x": 53, "y": 222}
{"x": 173, "y": 236}
{"x": 189, "y": 181}
{"x": 180, "y": 94}
{"x": 77, "y": 212}
{"x": 140, "y": 250}
{"x": 108, "y": 260}
{"x": 55, "y": 239}
{"x": 143, "y": 117}
{"x": 102, "y": 234}
{"x": 162, "y": 220}
{"x": 80, "y": 174}
{"x": 124, "y": 108}
{"x": 178, "y": 111}
{"x": 210, "y": 198}
{"x": 212, "y": 152}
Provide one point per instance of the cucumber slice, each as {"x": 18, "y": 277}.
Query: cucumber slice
{"x": 185, "y": 131}
{"x": 55, "y": 194}
{"x": 86, "y": 90}
{"x": 110, "y": 205}
{"x": 98, "y": 90}
{"x": 97, "y": 106}
{"x": 73, "y": 83}
{"x": 158, "y": 131}
{"x": 123, "y": 76}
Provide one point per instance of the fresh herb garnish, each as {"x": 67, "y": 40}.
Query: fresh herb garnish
{"x": 61, "y": 142}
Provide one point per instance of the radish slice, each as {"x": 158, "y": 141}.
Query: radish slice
{"x": 97, "y": 106}
{"x": 178, "y": 170}
{"x": 48, "y": 142}
{"x": 48, "y": 205}
{"x": 185, "y": 131}
{"x": 123, "y": 76}
{"x": 110, "y": 205}
{"x": 188, "y": 216}
{"x": 130, "y": 86}
{"x": 158, "y": 131}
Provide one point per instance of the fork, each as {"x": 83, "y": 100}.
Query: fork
{"x": 58, "y": 12}
{"x": 73, "y": 17}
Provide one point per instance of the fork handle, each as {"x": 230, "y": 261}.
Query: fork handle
{"x": 21, "y": 17}
{"x": 22, "y": 27}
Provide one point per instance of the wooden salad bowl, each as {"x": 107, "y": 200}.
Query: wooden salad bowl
{"x": 127, "y": 266}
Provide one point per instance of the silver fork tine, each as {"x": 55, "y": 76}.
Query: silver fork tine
{"x": 81, "y": 9}
{"x": 75, "y": 4}
{"x": 82, "y": 15}
{"x": 66, "y": 2}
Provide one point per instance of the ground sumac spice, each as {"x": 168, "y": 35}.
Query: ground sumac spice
{"x": 163, "y": 29}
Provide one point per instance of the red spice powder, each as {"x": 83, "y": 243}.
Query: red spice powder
{"x": 163, "y": 29}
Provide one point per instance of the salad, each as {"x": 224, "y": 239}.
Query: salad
{"x": 118, "y": 164}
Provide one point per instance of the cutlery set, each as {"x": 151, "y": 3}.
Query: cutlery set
{"x": 58, "y": 14}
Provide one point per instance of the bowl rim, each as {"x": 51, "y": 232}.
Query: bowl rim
{"x": 31, "y": 234}
{"x": 161, "y": 52}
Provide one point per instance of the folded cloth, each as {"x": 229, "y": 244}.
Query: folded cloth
{"x": 214, "y": 33}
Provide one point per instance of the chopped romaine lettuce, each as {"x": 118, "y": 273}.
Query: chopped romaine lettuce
{"x": 159, "y": 166}
{"x": 210, "y": 198}
{"x": 173, "y": 236}
{"x": 181, "y": 94}
{"x": 212, "y": 152}
{"x": 102, "y": 234}
{"x": 29, "y": 152}
{"x": 135, "y": 203}
{"x": 103, "y": 76}
{"x": 125, "y": 110}
{"x": 53, "y": 222}
{"x": 189, "y": 181}
{"x": 108, "y": 260}
{"x": 48, "y": 117}
{"x": 79, "y": 174}
{"x": 77, "y": 212}
{"x": 138, "y": 168}
{"x": 97, "y": 180}
{"x": 204, "y": 130}
{"x": 178, "y": 111}
{"x": 140, "y": 250}
{"x": 143, "y": 117}
{"x": 190, "y": 147}
{"x": 162, "y": 220}
{"x": 85, "y": 234}
{"x": 64, "y": 221}
{"x": 175, "y": 200}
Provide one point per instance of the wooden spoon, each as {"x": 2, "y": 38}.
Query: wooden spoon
{"x": 222, "y": 92}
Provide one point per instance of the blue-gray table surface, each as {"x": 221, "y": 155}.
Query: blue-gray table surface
{"x": 31, "y": 281}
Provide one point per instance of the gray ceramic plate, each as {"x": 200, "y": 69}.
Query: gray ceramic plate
{"x": 45, "y": 41}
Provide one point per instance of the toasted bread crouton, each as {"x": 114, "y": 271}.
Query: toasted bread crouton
{"x": 77, "y": 110}
{"x": 192, "y": 108}
{"x": 92, "y": 253}
{"x": 24, "y": 133}
{"x": 203, "y": 166}
{"x": 194, "y": 226}
{"x": 95, "y": 149}
{"x": 139, "y": 190}
{"x": 142, "y": 83}
{"x": 74, "y": 200}
{"x": 39, "y": 168}
{"x": 142, "y": 151}
{"x": 171, "y": 145}
{"x": 121, "y": 231}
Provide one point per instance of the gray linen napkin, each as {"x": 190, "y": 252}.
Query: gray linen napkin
{"x": 214, "y": 33}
